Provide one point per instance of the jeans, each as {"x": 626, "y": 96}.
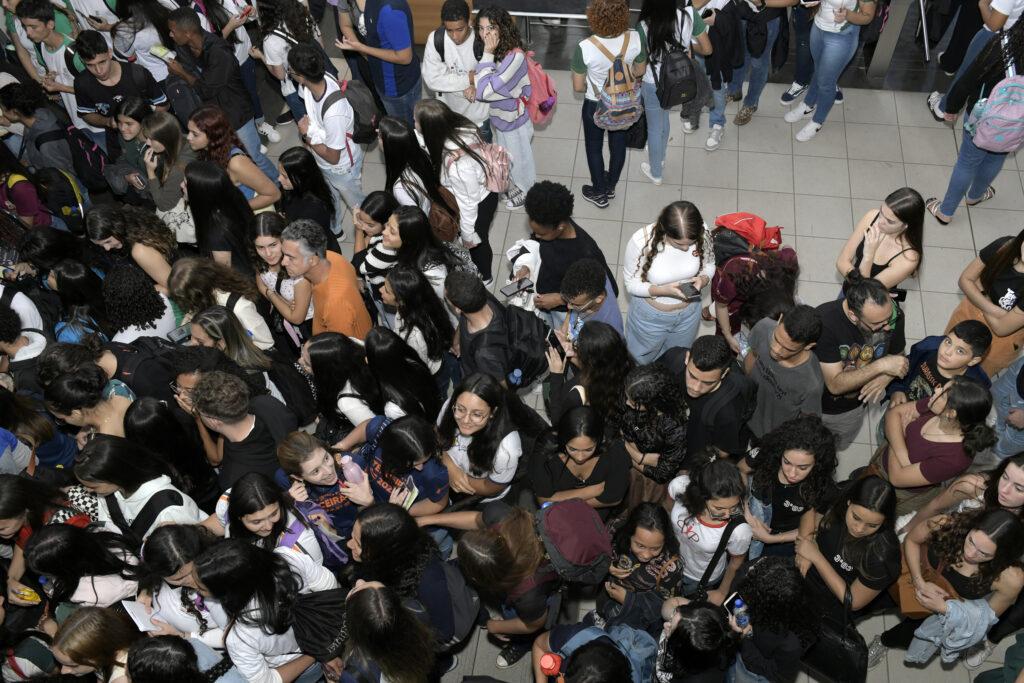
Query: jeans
{"x": 517, "y": 142}
{"x": 974, "y": 171}
{"x": 831, "y": 52}
{"x": 248, "y": 69}
{"x": 296, "y": 104}
{"x": 716, "y": 116}
{"x": 311, "y": 675}
{"x": 802, "y": 23}
{"x": 482, "y": 254}
{"x": 251, "y": 141}
{"x": 649, "y": 332}
{"x": 657, "y": 128}
{"x": 485, "y": 132}
{"x": 1006, "y": 398}
{"x": 345, "y": 185}
{"x": 979, "y": 41}
{"x": 593, "y": 139}
{"x": 401, "y": 106}
{"x": 759, "y": 66}
{"x": 738, "y": 673}
{"x": 13, "y": 142}
{"x": 968, "y": 21}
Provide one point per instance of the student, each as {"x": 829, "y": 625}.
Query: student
{"x": 142, "y": 25}
{"x": 25, "y": 104}
{"x": 166, "y": 658}
{"x": 290, "y": 297}
{"x": 127, "y": 171}
{"x": 860, "y": 351}
{"x": 22, "y": 194}
{"x": 406, "y": 384}
{"x": 136, "y": 233}
{"x": 786, "y": 372}
{"x": 600, "y": 364}
{"x": 168, "y": 156}
{"x": 95, "y": 640}
{"x": 305, "y": 192}
{"x": 410, "y": 175}
{"x": 86, "y": 398}
{"x": 337, "y": 305}
{"x": 347, "y": 394}
{"x": 482, "y": 335}
{"x": 284, "y": 25}
{"x": 220, "y": 214}
{"x": 64, "y": 21}
{"x": 141, "y": 371}
{"x": 409, "y": 232}
{"x": 766, "y": 18}
{"x": 83, "y": 310}
{"x": 451, "y": 73}
{"x": 588, "y": 295}
{"x": 328, "y": 130}
{"x": 248, "y": 429}
{"x": 82, "y": 566}
{"x": 1008, "y": 396}
{"x": 597, "y": 660}
{"x": 696, "y": 643}
{"x": 936, "y": 360}
{"x": 309, "y": 472}
{"x": 421, "y": 319}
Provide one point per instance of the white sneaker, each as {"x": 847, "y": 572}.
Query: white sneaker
{"x": 801, "y": 111}
{"x": 808, "y": 131}
{"x": 933, "y": 106}
{"x": 976, "y": 655}
{"x": 645, "y": 168}
{"x": 263, "y": 148}
{"x": 688, "y": 126}
{"x": 268, "y": 130}
{"x": 714, "y": 138}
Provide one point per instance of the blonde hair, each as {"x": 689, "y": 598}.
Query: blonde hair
{"x": 93, "y": 636}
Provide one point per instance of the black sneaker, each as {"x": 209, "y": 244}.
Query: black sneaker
{"x": 285, "y": 118}
{"x": 610, "y": 194}
{"x": 595, "y": 197}
{"x": 511, "y": 653}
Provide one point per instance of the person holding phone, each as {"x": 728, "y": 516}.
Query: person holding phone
{"x": 661, "y": 259}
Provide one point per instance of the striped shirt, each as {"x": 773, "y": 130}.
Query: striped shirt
{"x": 502, "y": 86}
{"x": 378, "y": 261}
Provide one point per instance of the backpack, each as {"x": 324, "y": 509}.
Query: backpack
{"x": 64, "y": 197}
{"x": 543, "y": 94}
{"x": 87, "y": 157}
{"x": 526, "y": 339}
{"x": 478, "y": 45}
{"x": 329, "y": 67}
{"x": 465, "y": 603}
{"x": 997, "y": 121}
{"x": 575, "y": 540}
{"x": 871, "y": 32}
{"x": 734, "y": 233}
{"x": 444, "y": 224}
{"x": 640, "y": 648}
{"x": 143, "y": 349}
{"x": 157, "y": 503}
{"x": 364, "y": 108}
{"x": 619, "y": 105}
{"x": 335, "y": 556}
{"x": 676, "y": 83}
{"x": 497, "y": 164}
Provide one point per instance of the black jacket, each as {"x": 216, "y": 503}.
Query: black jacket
{"x": 219, "y": 79}
{"x": 727, "y": 46}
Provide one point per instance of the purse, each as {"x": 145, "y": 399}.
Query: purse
{"x": 839, "y": 654}
{"x": 905, "y": 595}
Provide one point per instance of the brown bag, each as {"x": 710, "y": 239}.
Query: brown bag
{"x": 905, "y": 595}
{"x": 445, "y": 225}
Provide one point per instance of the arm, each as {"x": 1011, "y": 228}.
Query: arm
{"x": 703, "y": 46}
{"x": 896, "y": 420}
{"x": 467, "y": 520}
{"x": 392, "y": 27}
{"x": 861, "y": 595}
{"x": 844, "y": 264}
{"x": 221, "y": 257}
{"x": 725, "y": 325}
{"x": 1007, "y": 323}
{"x": 1007, "y": 587}
{"x": 436, "y": 74}
{"x": 719, "y": 595}
{"x": 244, "y": 171}
{"x": 153, "y": 262}
{"x": 403, "y": 56}
{"x": 579, "y": 82}
{"x": 588, "y": 494}
{"x": 839, "y": 382}
{"x": 900, "y": 269}
{"x": 501, "y": 82}
{"x": 24, "y": 58}
{"x": 862, "y": 17}
{"x": 966, "y": 486}
{"x": 429, "y": 507}
{"x": 540, "y": 647}
{"x": 98, "y": 120}
{"x": 994, "y": 19}
{"x": 293, "y": 669}
{"x": 516, "y": 626}
{"x": 970, "y": 285}
{"x": 292, "y": 311}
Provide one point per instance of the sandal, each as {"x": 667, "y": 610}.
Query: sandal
{"x": 932, "y": 205}
{"x": 989, "y": 194}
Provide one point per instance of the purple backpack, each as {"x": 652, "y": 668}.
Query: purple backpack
{"x": 997, "y": 122}
{"x": 335, "y": 556}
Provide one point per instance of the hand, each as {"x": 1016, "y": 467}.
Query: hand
{"x": 898, "y": 398}
{"x": 83, "y": 437}
{"x": 150, "y": 160}
{"x": 547, "y": 301}
{"x": 736, "y": 627}
{"x": 459, "y": 481}
{"x": 896, "y": 365}
{"x": 346, "y": 44}
{"x": 471, "y": 243}
{"x": 634, "y": 453}
{"x": 50, "y": 82}
{"x": 807, "y": 548}
{"x": 100, "y": 24}
{"x": 298, "y": 490}
{"x": 360, "y": 493}
{"x": 13, "y": 587}
{"x": 398, "y": 495}
{"x": 803, "y": 565}
{"x": 618, "y": 572}
{"x": 840, "y": 14}
{"x": 185, "y": 404}
{"x": 523, "y": 272}
{"x": 146, "y": 600}
{"x": 674, "y": 290}
{"x": 164, "y": 629}
{"x": 716, "y": 597}
{"x": 1015, "y": 418}
{"x": 470, "y": 94}
{"x": 256, "y": 53}
{"x": 333, "y": 669}
{"x": 615, "y": 591}
{"x": 48, "y": 625}
{"x": 234, "y": 22}
{"x": 872, "y": 238}
{"x": 874, "y": 389}
{"x": 710, "y": 19}
{"x": 932, "y": 597}
{"x": 700, "y": 281}
{"x": 761, "y": 531}
{"x": 556, "y": 364}
{"x": 174, "y": 67}
{"x": 303, "y": 124}
{"x": 24, "y": 269}
{"x": 733, "y": 344}
{"x": 321, "y": 521}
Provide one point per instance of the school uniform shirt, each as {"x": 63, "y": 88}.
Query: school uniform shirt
{"x": 589, "y": 60}
{"x": 880, "y": 572}
{"x": 169, "y": 608}
{"x": 1011, "y": 8}
{"x": 411, "y": 192}
{"x": 388, "y": 26}
{"x": 450, "y": 78}
{"x": 54, "y": 61}
{"x": 186, "y": 513}
{"x": 94, "y": 97}
{"x": 232, "y": 7}
{"x": 413, "y": 336}
{"x": 431, "y": 481}
{"x": 26, "y": 310}
{"x": 352, "y": 407}
{"x": 699, "y": 540}
{"x": 782, "y": 392}
{"x": 689, "y": 25}
{"x": 341, "y": 511}
{"x": 506, "y": 459}
{"x": 276, "y": 47}
{"x": 104, "y": 590}
{"x": 26, "y": 42}
{"x": 333, "y": 129}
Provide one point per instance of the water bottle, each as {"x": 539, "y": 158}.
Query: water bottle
{"x": 353, "y": 475}
{"x": 515, "y": 378}
{"x": 741, "y": 613}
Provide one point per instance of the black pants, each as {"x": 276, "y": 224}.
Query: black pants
{"x": 968, "y": 23}
{"x": 902, "y": 634}
{"x": 1008, "y": 624}
{"x": 482, "y": 254}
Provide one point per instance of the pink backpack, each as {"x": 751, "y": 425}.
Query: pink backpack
{"x": 543, "y": 95}
{"x": 497, "y": 164}
{"x": 997, "y": 121}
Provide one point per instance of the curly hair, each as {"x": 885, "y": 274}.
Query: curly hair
{"x": 608, "y": 18}
{"x": 767, "y": 278}
{"x": 604, "y": 364}
{"x": 130, "y": 225}
{"x": 1003, "y": 528}
{"x": 193, "y": 281}
{"x": 549, "y": 203}
{"x": 711, "y": 477}
{"x": 654, "y": 389}
{"x": 508, "y": 31}
{"x": 221, "y": 138}
{"x": 778, "y": 599}
{"x": 806, "y": 433}
{"x": 288, "y": 15}
{"x": 130, "y": 298}
{"x": 679, "y": 220}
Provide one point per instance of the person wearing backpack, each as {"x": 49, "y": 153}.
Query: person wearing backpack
{"x": 24, "y": 103}
{"x": 22, "y": 194}
{"x": 976, "y": 167}
{"x": 284, "y": 25}
{"x": 603, "y": 69}
{"x": 463, "y": 160}
{"x": 482, "y": 343}
{"x": 22, "y": 347}
{"x": 665, "y": 31}
{"x": 328, "y": 126}
{"x": 503, "y": 80}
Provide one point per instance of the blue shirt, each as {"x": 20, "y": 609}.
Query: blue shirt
{"x": 338, "y": 507}
{"x": 389, "y": 27}
{"x": 431, "y": 481}
{"x": 608, "y": 313}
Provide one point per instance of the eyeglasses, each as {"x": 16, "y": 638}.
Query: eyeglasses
{"x": 476, "y": 416}
{"x": 578, "y": 307}
{"x": 890, "y": 323}
{"x": 183, "y": 391}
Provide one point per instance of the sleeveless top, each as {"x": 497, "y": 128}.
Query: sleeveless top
{"x": 964, "y": 586}
{"x": 247, "y": 191}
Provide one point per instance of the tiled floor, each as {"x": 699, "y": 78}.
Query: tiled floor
{"x": 876, "y": 142}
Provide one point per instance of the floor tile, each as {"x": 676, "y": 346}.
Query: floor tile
{"x": 928, "y": 179}
{"x": 821, "y": 176}
{"x": 710, "y": 169}
{"x": 941, "y": 267}
{"x": 775, "y": 207}
{"x": 765, "y": 172}
{"x": 829, "y": 142}
{"x": 873, "y": 141}
{"x": 565, "y": 124}
{"x": 672, "y": 167}
{"x": 818, "y": 261}
{"x": 766, "y": 134}
{"x": 912, "y": 110}
{"x": 606, "y": 234}
{"x": 937, "y": 307}
{"x": 821, "y": 216}
{"x": 555, "y": 156}
{"x": 875, "y": 179}
{"x": 927, "y": 145}
{"x": 712, "y": 201}
{"x": 869, "y": 106}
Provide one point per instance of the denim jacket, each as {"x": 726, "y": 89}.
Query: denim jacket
{"x": 963, "y": 625}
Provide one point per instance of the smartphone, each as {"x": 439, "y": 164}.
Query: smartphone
{"x": 413, "y": 492}
{"x": 706, "y": 13}
{"x": 137, "y": 181}
{"x": 95, "y": 18}
{"x": 162, "y": 52}
{"x": 247, "y": 11}
{"x": 180, "y": 334}
{"x": 514, "y": 288}
{"x": 556, "y": 344}
{"x": 690, "y": 292}
{"x": 730, "y": 601}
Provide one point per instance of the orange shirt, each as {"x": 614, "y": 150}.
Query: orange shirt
{"x": 337, "y": 304}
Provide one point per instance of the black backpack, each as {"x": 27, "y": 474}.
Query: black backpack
{"x": 478, "y": 45}
{"x": 329, "y": 67}
{"x": 677, "y": 79}
{"x": 364, "y": 108}
{"x": 88, "y": 158}
{"x": 527, "y": 341}
{"x": 64, "y": 197}
{"x": 133, "y": 532}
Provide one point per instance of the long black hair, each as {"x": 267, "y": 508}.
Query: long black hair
{"x": 553, "y": 444}
{"x": 484, "y": 446}
{"x": 67, "y": 554}
{"x": 170, "y": 659}
{"x": 80, "y": 291}
{"x": 336, "y": 361}
{"x": 151, "y": 421}
{"x": 251, "y": 493}
{"x": 394, "y": 549}
{"x": 137, "y": 15}
{"x": 216, "y": 203}
{"x": 662, "y": 28}
{"x": 306, "y": 178}
{"x": 29, "y": 497}
{"x": 650, "y": 516}
{"x": 876, "y": 495}
{"x": 420, "y": 246}
{"x": 605, "y": 362}
{"x": 168, "y": 549}
{"x": 403, "y": 378}
{"x": 806, "y": 433}
{"x": 122, "y": 462}
{"x": 407, "y": 441}
{"x": 286, "y": 16}
{"x": 403, "y": 157}
{"x": 440, "y": 126}
{"x": 419, "y": 307}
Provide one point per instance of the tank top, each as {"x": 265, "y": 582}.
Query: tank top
{"x": 964, "y": 586}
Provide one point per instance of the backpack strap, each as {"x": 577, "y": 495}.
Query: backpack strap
{"x": 50, "y": 136}
{"x": 290, "y": 536}
{"x": 232, "y": 301}
{"x": 157, "y": 503}
{"x": 439, "y": 42}
{"x": 538, "y": 578}
{"x": 734, "y": 522}
{"x": 334, "y": 97}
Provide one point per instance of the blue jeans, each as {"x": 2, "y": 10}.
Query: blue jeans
{"x": 831, "y": 52}
{"x": 657, "y": 128}
{"x": 650, "y": 332}
{"x": 593, "y": 140}
{"x": 251, "y": 141}
{"x": 716, "y": 117}
{"x": 296, "y": 104}
{"x": 311, "y": 675}
{"x": 974, "y": 171}
{"x": 248, "y": 69}
{"x": 1006, "y": 398}
{"x": 345, "y": 185}
{"x": 979, "y": 41}
{"x": 802, "y": 35}
{"x": 517, "y": 142}
{"x": 401, "y": 106}
{"x": 485, "y": 132}
{"x": 759, "y": 66}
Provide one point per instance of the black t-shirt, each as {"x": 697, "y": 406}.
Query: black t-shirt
{"x": 771, "y": 654}
{"x": 787, "y": 507}
{"x": 880, "y": 572}
{"x": 843, "y": 342}
{"x": 550, "y": 475}
{"x": 490, "y": 355}
{"x": 557, "y": 255}
{"x": 926, "y": 378}
{"x": 534, "y": 603}
{"x": 221, "y": 239}
{"x": 257, "y": 452}
{"x": 92, "y": 97}
{"x": 1007, "y": 282}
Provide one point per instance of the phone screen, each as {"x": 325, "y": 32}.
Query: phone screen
{"x": 180, "y": 334}
{"x": 518, "y": 286}
{"x": 691, "y": 292}
{"x": 728, "y": 604}
{"x": 556, "y": 343}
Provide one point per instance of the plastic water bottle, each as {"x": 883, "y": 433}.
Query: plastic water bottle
{"x": 515, "y": 378}
{"x": 353, "y": 474}
{"x": 741, "y": 613}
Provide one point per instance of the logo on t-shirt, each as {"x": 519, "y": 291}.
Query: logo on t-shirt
{"x": 1008, "y": 300}
{"x": 857, "y": 355}
{"x": 841, "y": 561}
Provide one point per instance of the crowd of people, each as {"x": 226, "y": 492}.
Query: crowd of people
{"x": 231, "y": 452}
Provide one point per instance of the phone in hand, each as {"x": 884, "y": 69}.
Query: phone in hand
{"x": 730, "y": 603}
{"x": 706, "y": 13}
{"x": 690, "y": 292}
{"x": 520, "y": 285}
{"x": 95, "y": 18}
{"x": 137, "y": 181}
{"x": 180, "y": 334}
{"x": 556, "y": 344}
{"x": 247, "y": 11}
{"x": 161, "y": 52}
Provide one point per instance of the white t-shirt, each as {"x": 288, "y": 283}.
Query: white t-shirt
{"x": 29, "y": 46}
{"x": 232, "y": 7}
{"x": 163, "y": 325}
{"x": 186, "y": 513}
{"x": 451, "y": 77}
{"x": 337, "y": 126}
{"x": 132, "y": 43}
{"x": 598, "y": 64}
{"x": 506, "y": 460}
{"x": 684, "y": 35}
{"x": 1011, "y": 8}
{"x": 168, "y": 608}
{"x": 411, "y": 195}
{"x": 275, "y": 53}
{"x": 826, "y": 20}
{"x": 96, "y": 8}
{"x": 26, "y": 310}
{"x": 669, "y": 265}
{"x": 355, "y": 409}
{"x": 698, "y": 541}
{"x": 417, "y": 342}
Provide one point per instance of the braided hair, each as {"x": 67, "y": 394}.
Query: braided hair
{"x": 679, "y": 220}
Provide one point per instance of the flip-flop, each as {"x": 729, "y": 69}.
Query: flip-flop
{"x": 989, "y": 194}
{"x": 932, "y": 205}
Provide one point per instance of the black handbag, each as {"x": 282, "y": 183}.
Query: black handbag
{"x": 319, "y": 623}
{"x": 637, "y": 133}
{"x": 840, "y": 654}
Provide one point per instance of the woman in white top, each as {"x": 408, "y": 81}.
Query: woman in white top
{"x": 144, "y": 24}
{"x": 664, "y": 29}
{"x": 481, "y": 445}
{"x": 410, "y": 175}
{"x": 82, "y": 566}
{"x": 609, "y": 20}
{"x": 291, "y": 297}
{"x": 833, "y": 42}
{"x": 421, "y": 318}
{"x": 666, "y": 266}
{"x": 284, "y": 24}
{"x": 454, "y": 145}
